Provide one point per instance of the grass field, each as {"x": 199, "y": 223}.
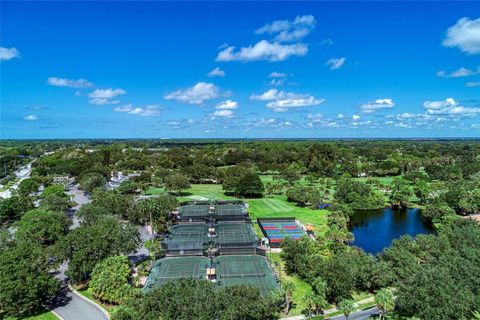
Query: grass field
{"x": 278, "y": 206}
{"x": 267, "y": 207}
{"x": 301, "y": 288}
{"x": 44, "y": 315}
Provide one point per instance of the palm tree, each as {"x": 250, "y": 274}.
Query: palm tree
{"x": 385, "y": 302}
{"x": 347, "y": 306}
{"x": 309, "y": 299}
{"x": 288, "y": 287}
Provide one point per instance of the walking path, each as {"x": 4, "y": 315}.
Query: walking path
{"x": 357, "y": 315}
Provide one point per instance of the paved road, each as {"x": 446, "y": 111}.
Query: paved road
{"x": 79, "y": 197}
{"x": 21, "y": 174}
{"x": 70, "y": 306}
{"x": 359, "y": 315}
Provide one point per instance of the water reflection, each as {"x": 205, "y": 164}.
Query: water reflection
{"x": 374, "y": 230}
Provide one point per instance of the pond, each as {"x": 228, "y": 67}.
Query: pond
{"x": 375, "y": 230}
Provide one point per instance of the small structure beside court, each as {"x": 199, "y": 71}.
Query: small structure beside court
{"x": 213, "y": 241}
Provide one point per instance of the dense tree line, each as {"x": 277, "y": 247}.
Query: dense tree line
{"x": 435, "y": 276}
{"x": 199, "y": 299}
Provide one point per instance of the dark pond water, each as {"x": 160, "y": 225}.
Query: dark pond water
{"x": 375, "y": 230}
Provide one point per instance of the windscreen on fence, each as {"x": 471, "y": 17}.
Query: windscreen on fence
{"x": 171, "y": 268}
{"x": 245, "y": 269}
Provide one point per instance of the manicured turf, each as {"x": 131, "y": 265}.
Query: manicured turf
{"x": 45, "y": 315}
{"x": 278, "y": 206}
{"x": 301, "y": 288}
{"x": 266, "y": 207}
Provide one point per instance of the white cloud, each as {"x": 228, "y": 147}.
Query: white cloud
{"x": 465, "y": 35}
{"x": 105, "y": 96}
{"x": 327, "y": 42}
{"x": 355, "y": 117}
{"x": 31, "y": 117}
{"x": 278, "y": 78}
{"x": 8, "y": 53}
{"x": 223, "y": 113}
{"x": 472, "y": 84}
{"x": 335, "y": 63}
{"x": 197, "y": 94}
{"x": 277, "y": 75}
{"x": 281, "y": 101}
{"x": 379, "y": 104}
{"x": 147, "y": 111}
{"x": 340, "y": 116}
{"x": 315, "y": 118}
{"x": 217, "y": 72}
{"x": 461, "y": 72}
{"x": 263, "y": 50}
{"x": 274, "y": 49}
{"x": 286, "y": 30}
{"x": 277, "y": 82}
{"x": 227, "y": 105}
{"x": 63, "y": 82}
{"x": 449, "y": 107}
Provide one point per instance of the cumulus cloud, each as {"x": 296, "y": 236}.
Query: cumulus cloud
{"x": 147, "y": 111}
{"x": 465, "y": 35}
{"x": 449, "y": 107}
{"x": 274, "y": 49}
{"x": 286, "y": 30}
{"x": 105, "y": 96}
{"x": 277, "y": 75}
{"x": 355, "y": 117}
{"x": 315, "y": 118}
{"x": 379, "y": 104}
{"x": 281, "y": 101}
{"x": 277, "y": 82}
{"x": 63, "y": 82}
{"x": 278, "y": 78}
{"x": 197, "y": 94}
{"x": 8, "y": 53}
{"x": 30, "y": 117}
{"x": 263, "y": 50}
{"x": 335, "y": 63}
{"x": 227, "y": 105}
{"x": 223, "y": 113}
{"x": 461, "y": 72}
{"x": 217, "y": 72}
{"x": 327, "y": 42}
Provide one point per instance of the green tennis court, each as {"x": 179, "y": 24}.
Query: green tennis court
{"x": 186, "y": 239}
{"x": 168, "y": 269}
{"x": 230, "y": 210}
{"x": 194, "y": 211}
{"x": 245, "y": 269}
{"x": 235, "y": 233}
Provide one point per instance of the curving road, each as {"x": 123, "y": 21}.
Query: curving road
{"x": 358, "y": 315}
{"x": 68, "y": 304}
{"x": 71, "y": 306}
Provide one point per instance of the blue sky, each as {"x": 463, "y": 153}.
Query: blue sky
{"x": 235, "y": 70}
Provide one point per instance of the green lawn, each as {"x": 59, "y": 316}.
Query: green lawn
{"x": 267, "y": 207}
{"x": 301, "y": 288}
{"x": 43, "y": 315}
{"x": 278, "y": 206}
